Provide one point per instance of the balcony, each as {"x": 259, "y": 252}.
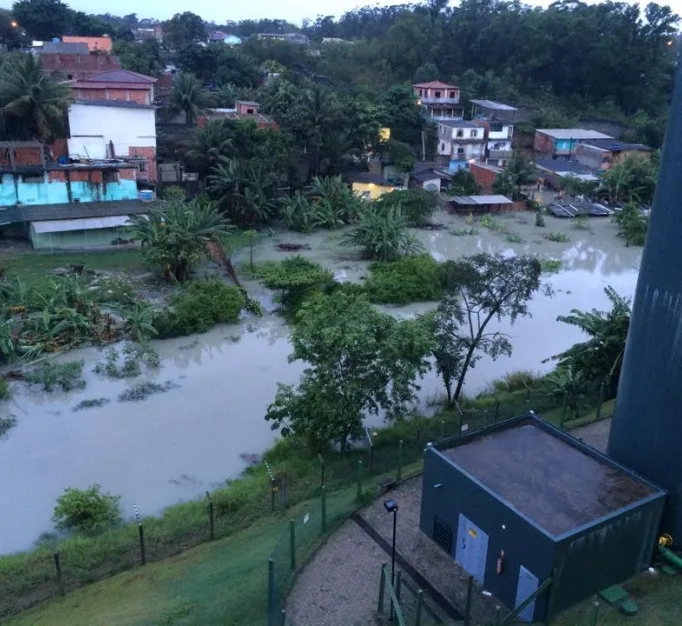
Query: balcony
{"x": 432, "y": 100}
{"x": 500, "y": 154}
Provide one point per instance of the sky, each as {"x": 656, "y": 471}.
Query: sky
{"x": 292, "y": 10}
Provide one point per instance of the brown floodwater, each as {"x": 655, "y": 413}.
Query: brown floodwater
{"x": 175, "y": 445}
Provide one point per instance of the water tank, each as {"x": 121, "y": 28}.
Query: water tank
{"x": 146, "y": 195}
{"x": 646, "y": 431}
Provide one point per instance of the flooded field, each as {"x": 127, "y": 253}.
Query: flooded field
{"x": 175, "y": 445}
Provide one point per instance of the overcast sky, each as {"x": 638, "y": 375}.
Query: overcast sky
{"x": 292, "y": 10}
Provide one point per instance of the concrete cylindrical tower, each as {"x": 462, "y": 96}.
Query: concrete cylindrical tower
{"x": 646, "y": 433}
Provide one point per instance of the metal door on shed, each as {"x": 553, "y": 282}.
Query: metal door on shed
{"x": 471, "y": 549}
{"x": 526, "y": 587}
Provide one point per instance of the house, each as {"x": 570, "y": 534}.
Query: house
{"x": 439, "y": 101}
{"x": 460, "y": 142}
{"x": 74, "y": 62}
{"x": 370, "y": 186}
{"x": 553, "y": 172}
{"x": 65, "y": 204}
{"x": 562, "y": 143}
{"x": 428, "y": 177}
{"x": 602, "y": 154}
{"x": 219, "y": 36}
{"x": 498, "y": 120}
{"x": 479, "y": 204}
{"x": 155, "y": 32}
{"x": 297, "y": 38}
{"x": 523, "y": 508}
{"x": 95, "y": 44}
{"x": 115, "y": 85}
{"x": 485, "y": 175}
{"x": 243, "y": 110}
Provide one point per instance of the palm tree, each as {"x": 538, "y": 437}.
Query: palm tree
{"x": 190, "y": 97}
{"x": 33, "y": 103}
{"x": 209, "y": 144}
{"x": 226, "y": 94}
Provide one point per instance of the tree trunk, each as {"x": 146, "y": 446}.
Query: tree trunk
{"x": 465, "y": 367}
{"x": 448, "y": 388}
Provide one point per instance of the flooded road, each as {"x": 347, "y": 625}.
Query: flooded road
{"x": 176, "y": 445}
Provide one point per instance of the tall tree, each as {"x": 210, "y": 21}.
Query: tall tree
{"x": 189, "y": 96}
{"x": 43, "y": 19}
{"x": 184, "y": 29}
{"x": 33, "y": 103}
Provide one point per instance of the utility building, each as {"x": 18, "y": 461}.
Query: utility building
{"x": 521, "y": 501}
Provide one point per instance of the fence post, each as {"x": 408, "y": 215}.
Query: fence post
{"x": 324, "y": 509}
{"x": 442, "y": 429}
{"x": 595, "y": 614}
{"x": 467, "y": 606}
{"x": 399, "y": 476}
{"x": 398, "y": 584}
{"x": 272, "y": 495}
{"x": 321, "y": 470}
{"x": 497, "y": 409}
{"x": 58, "y": 568}
{"x": 564, "y": 404}
{"x": 292, "y": 544}
{"x": 211, "y": 524}
{"x": 420, "y": 602}
{"x": 140, "y": 528}
{"x": 284, "y": 618}
{"x": 498, "y": 615}
{"x": 382, "y": 585}
{"x": 283, "y": 488}
{"x": 271, "y": 590}
{"x": 601, "y": 399}
{"x": 358, "y": 495}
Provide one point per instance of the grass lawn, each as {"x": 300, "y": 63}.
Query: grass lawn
{"x": 554, "y": 415}
{"x": 224, "y": 582}
{"x": 658, "y": 596}
{"x": 33, "y": 267}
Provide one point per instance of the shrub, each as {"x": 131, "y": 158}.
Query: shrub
{"x": 49, "y": 376}
{"x": 296, "y": 278}
{"x": 463, "y": 232}
{"x": 513, "y": 238}
{"x": 7, "y": 423}
{"x": 580, "y": 223}
{"x": 4, "y": 389}
{"x": 558, "y": 237}
{"x": 410, "y": 279}
{"x": 199, "y": 306}
{"x": 90, "y": 404}
{"x": 417, "y": 205}
{"x": 87, "y": 511}
{"x": 550, "y": 266}
{"x": 383, "y": 234}
{"x": 632, "y": 225}
{"x": 133, "y": 355}
{"x": 539, "y": 220}
{"x": 142, "y": 391}
{"x": 517, "y": 381}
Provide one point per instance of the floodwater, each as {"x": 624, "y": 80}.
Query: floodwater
{"x": 175, "y": 445}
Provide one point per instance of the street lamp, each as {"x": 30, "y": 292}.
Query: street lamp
{"x": 392, "y": 507}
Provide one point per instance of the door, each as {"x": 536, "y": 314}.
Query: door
{"x": 471, "y": 549}
{"x": 527, "y": 586}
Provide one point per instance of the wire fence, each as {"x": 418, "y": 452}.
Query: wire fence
{"x": 336, "y": 483}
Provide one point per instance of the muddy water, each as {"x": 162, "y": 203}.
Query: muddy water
{"x": 176, "y": 445}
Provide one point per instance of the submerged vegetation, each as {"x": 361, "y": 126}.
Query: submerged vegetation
{"x": 410, "y": 279}
{"x": 51, "y": 376}
{"x": 142, "y": 391}
{"x": 127, "y": 362}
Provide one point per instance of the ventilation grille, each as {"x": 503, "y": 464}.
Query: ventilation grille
{"x": 442, "y": 534}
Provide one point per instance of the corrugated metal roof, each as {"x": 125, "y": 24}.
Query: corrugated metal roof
{"x": 496, "y": 106}
{"x": 85, "y": 223}
{"x": 572, "y": 133}
{"x": 479, "y": 199}
{"x": 73, "y": 210}
{"x": 435, "y": 84}
{"x": 120, "y": 76}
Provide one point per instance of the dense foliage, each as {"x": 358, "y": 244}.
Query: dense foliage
{"x": 359, "y": 361}
{"x": 410, "y": 279}
{"x": 417, "y": 205}
{"x": 631, "y": 180}
{"x": 632, "y": 224}
{"x": 86, "y": 511}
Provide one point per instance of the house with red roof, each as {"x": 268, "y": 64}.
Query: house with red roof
{"x": 438, "y": 100}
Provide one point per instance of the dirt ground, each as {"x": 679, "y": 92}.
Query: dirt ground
{"x": 340, "y": 585}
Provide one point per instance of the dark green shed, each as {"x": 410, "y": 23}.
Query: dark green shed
{"x": 516, "y": 502}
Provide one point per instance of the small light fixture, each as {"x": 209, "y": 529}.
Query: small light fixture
{"x": 391, "y": 506}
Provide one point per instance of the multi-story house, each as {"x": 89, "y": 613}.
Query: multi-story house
{"x": 439, "y": 101}
{"x": 461, "y": 142}
{"x": 603, "y": 154}
{"x": 498, "y": 120}
{"x": 57, "y": 203}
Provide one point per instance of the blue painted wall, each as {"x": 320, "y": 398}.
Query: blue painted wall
{"x": 564, "y": 146}
{"x": 14, "y": 190}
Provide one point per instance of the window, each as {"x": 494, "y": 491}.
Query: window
{"x": 31, "y": 178}
{"x": 438, "y": 94}
{"x": 452, "y": 94}
{"x": 495, "y": 127}
{"x": 421, "y": 92}
{"x": 474, "y": 133}
{"x": 250, "y": 111}
{"x": 442, "y": 146}
{"x": 110, "y": 176}
{"x": 460, "y": 133}
{"x": 69, "y": 76}
{"x": 460, "y": 150}
{"x": 142, "y": 167}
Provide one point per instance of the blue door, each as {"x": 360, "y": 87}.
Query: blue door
{"x": 527, "y": 586}
{"x": 471, "y": 548}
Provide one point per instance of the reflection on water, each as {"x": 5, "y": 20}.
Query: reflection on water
{"x": 174, "y": 446}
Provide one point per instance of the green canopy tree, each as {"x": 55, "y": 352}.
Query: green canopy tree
{"x": 360, "y": 361}
{"x": 190, "y": 97}
{"x": 183, "y": 29}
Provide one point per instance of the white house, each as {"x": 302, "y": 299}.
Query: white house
{"x": 108, "y": 129}
{"x": 498, "y": 119}
{"x": 462, "y": 141}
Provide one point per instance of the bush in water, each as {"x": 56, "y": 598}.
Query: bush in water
{"x": 86, "y": 511}
{"x": 411, "y": 279}
{"x": 68, "y": 376}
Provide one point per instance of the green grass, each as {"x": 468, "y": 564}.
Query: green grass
{"x": 33, "y": 267}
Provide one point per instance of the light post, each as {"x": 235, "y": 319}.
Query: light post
{"x": 392, "y": 507}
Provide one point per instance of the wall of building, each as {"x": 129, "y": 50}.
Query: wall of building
{"x": 52, "y": 187}
{"x": 607, "y": 553}
{"x": 484, "y": 177}
{"x": 123, "y": 94}
{"x": 370, "y": 191}
{"x": 78, "y": 66}
{"x": 95, "y": 44}
{"x": 77, "y": 239}
{"x": 542, "y": 143}
{"x": 522, "y": 543}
